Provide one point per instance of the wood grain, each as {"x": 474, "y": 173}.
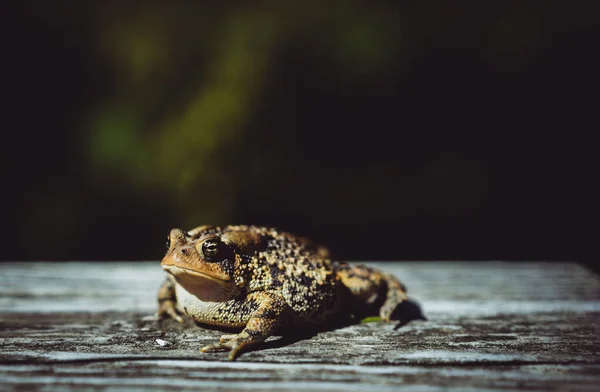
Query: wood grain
{"x": 492, "y": 326}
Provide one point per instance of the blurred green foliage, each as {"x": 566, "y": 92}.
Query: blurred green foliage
{"x": 333, "y": 117}
{"x": 219, "y": 57}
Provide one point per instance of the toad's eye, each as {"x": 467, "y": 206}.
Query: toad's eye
{"x": 210, "y": 248}
{"x": 168, "y": 243}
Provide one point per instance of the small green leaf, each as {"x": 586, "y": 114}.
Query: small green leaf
{"x": 372, "y": 319}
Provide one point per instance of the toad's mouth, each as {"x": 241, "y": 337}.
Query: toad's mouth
{"x": 183, "y": 273}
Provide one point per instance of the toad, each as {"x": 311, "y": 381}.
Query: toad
{"x": 264, "y": 281}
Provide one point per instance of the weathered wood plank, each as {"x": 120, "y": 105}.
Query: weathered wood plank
{"x": 491, "y": 326}
{"x": 130, "y": 286}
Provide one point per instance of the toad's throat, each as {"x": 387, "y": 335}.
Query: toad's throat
{"x": 202, "y": 286}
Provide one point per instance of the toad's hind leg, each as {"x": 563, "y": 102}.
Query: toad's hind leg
{"x": 365, "y": 282}
{"x": 263, "y": 322}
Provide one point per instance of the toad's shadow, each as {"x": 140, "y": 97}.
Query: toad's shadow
{"x": 404, "y": 313}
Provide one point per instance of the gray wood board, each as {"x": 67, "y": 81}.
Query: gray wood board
{"x": 492, "y": 326}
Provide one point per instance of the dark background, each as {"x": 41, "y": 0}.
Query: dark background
{"x": 387, "y": 130}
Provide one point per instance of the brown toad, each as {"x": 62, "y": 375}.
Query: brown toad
{"x": 264, "y": 280}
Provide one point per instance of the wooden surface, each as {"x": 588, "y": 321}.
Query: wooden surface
{"x": 492, "y": 326}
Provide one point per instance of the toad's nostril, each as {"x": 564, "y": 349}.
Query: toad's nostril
{"x": 183, "y": 251}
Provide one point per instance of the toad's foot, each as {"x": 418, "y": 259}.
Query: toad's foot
{"x": 235, "y": 345}
{"x": 227, "y": 338}
{"x": 167, "y": 309}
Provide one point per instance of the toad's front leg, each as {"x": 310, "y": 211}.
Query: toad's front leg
{"x": 263, "y": 322}
{"x": 167, "y": 301}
